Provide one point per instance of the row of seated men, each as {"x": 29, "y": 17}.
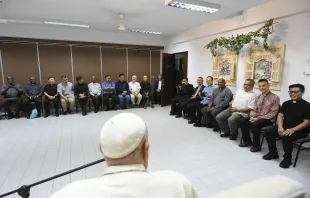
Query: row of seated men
{"x": 65, "y": 93}
{"x": 219, "y": 109}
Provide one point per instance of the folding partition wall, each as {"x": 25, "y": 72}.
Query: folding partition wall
{"x": 43, "y": 60}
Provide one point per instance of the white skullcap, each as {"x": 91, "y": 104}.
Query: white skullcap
{"x": 121, "y": 135}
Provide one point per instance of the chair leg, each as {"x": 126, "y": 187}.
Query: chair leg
{"x": 241, "y": 140}
{"x": 297, "y": 155}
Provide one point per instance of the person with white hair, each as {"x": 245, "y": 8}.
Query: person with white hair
{"x": 134, "y": 88}
{"x": 124, "y": 144}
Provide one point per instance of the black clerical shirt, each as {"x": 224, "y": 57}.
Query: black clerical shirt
{"x": 295, "y": 112}
{"x": 80, "y": 89}
{"x": 186, "y": 90}
{"x": 145, "y": 87}
{"x": 50, "y": 89}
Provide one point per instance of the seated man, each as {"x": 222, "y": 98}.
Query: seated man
{"x": 12, "y": 94}
{"x": 293, "y": 123}
{"x": 195, "y": 108}
{"x": 134, "y": 88}
{"x": 219, "y": 102}
{"x": 194, "y": 99}
{"x": 122, "y": 90}
{"x": 108, "y": 88}
{"x": 81, "y": 93}
{"x": 157, "y": 90}
{"x": 184, "y": 93}
{"x": 95, "y": 93}
{"x": 51, "y": 95}
{"x": 125, "y": 146}
{"x": 240, "y": 107}
{"x": 146, "y": 91}
{"x": 265, "y": 109}
{"x": 33, "y": 93}
{"x": 65, "y": 90}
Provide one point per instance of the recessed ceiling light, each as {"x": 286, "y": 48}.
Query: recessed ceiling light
{"x": 193, "y": 5}
{"x": 66, "y": 24}
{"x": 145, "y": 32}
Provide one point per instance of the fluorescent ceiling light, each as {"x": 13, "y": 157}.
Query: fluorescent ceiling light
{"x": 145, "y": 32}
{"x": 3, "y": 21}
{"x": 66, "y": 24}
{"x": 194, "y": 5}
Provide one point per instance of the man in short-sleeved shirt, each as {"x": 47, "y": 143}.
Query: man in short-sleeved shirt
{"x": 108, "y": 89}
{"x": 293, "y": 123}
{"x": 134, "y": 88}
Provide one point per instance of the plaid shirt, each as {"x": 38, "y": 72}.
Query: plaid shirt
{"x": 266, "y": 106}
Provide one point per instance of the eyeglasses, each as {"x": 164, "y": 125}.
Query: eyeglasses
{"x": 293, "y": 92}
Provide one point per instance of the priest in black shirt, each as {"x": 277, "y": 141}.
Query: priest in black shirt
{"x": 51, "y": 96}
{"x": 146, "y": 91}
{"x": 184, "y": 94}
{"x": 293, "y": 123}
{"x": 81, "y": 93}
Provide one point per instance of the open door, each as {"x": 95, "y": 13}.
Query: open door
{"x": 169, "y": 74}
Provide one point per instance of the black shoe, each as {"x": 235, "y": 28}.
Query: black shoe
{"x": 286, "y": 163}
{"x": 57, "y": 114}
{"x": 46, "y": 115}
{"x": 145, "y": 107}
{"x": 65, "y": 113}
{"x": 152, "y": 106}
{"x": 225, "y": 135}
{"x": 186, "y": 117}
{"x": 96, "y": 111}
{"x": 16, "y": 115}
{"x": 255, "y": 149}
{"x": 84, "y": 113}
{"x": 216, "y": 129}
{"x": 172, "y": 114}
{"x": 39, "y": 116}
{"x": 178, "y": 116}
{"x": 233, "y": 137}
{"x": 245, "y": 144}
{"x": 69, "y": 111}
{"x": 197, "y": 125}
{"x": 209, "y": 126}
{"x": 191, "y": 122}
{"x": 271, "y": 155}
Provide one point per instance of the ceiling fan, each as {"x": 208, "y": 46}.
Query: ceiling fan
{"x": 121, "y": 26}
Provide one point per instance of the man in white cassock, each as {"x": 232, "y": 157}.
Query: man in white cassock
{"x": 124, "y": 144}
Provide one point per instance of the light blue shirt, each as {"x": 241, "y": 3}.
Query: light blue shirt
{"x": 209, "y": 90}
{"x": 108, "y": 84}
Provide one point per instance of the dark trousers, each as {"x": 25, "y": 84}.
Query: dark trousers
{"x": 28, "y": 106}
{"x": 198, "y": 111}
{"x": 174, "y": 102}
{"x": 83, "y": 103}
{"x": 97, "y": 101}
{"x": 149, "y": 100}
{"x": 287, "y": 141}
{"x": 192, "y": 109}
{"x": 157, "y": 97}
{"x": 7, "y": 102}
{"x": 182, "y": 106}
{"x": 255, "y": 127}
{"x": 47, "y": 102}
{"x": 106, "y": 98}
{"x": 209, "y": 117}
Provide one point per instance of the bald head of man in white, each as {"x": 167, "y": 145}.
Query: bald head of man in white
{"x": 124, "y": 143}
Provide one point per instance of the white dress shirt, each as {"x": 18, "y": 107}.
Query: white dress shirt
{"x": 94, "y": 88}
{"x": 244, "y": 99}
{"x": 159, "y": 85}
{"x": 134, "y": 86}
{"x": 130, "y": 181}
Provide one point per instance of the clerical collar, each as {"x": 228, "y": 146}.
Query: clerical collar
{"x": 296, "y": 101}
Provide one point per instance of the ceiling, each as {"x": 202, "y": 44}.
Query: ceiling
{"x": 102, "y": 15}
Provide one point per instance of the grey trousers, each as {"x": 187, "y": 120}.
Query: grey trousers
{"x": 209, "y": 117}
{"x": 229, "y": 121}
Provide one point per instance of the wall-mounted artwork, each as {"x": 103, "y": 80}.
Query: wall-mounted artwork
{"x": 263, "y": 64}
{"x": 225, "y": 66}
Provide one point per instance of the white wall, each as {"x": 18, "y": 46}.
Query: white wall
{"x": 293, "y": 30}
{"x": 78, "y": 34}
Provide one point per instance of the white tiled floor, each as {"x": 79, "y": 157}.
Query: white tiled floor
{"x": 31, "y": 150}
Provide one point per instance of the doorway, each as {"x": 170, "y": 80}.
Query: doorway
{"x": 174, "y": 70}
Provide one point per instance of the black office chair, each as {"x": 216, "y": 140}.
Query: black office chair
{"x": 299, "y": 143}
{"x": 263, "y": 131}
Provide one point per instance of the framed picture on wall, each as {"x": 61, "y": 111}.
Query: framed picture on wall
{"x": 225, "y": 66}
{"x": 262, "y": 64}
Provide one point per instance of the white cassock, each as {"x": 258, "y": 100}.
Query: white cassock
{"x": 130, "y": 181}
